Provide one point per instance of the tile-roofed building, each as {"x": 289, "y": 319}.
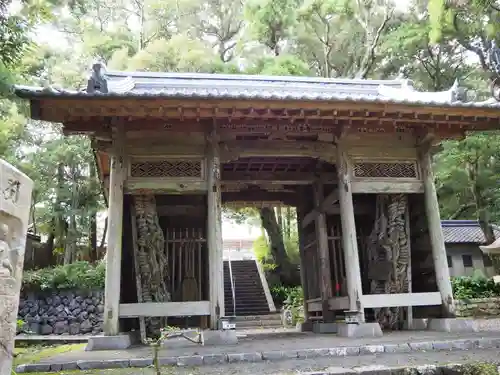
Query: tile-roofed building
{"x": 462, "y": 239}
{"x": 240, "y": 86}
{"x": 465, "y": 231}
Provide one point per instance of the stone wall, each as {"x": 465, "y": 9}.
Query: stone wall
{"x": 62, "y": 312}
{"x": 478, "y": 307}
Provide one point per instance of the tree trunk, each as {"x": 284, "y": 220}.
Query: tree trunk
{"x": 93, "y": 221}
{"x": 71, "y": 238}
{"x": 60, "y": 225}
{"x": 103, "y": 238}
{"x": 285, "y": 271}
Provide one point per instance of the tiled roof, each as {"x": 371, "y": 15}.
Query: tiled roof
{"x": 223, "y": 86}
{"x": 464, "y": 231}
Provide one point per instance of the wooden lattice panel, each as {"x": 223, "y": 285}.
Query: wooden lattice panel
{"x": 166, "y": 168}
{"x": 386, "y": 170}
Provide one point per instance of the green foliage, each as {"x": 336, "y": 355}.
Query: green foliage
{"x": 480, "y": 368}
{"x": 291, "y": 297}
{"x": 474, "y": 287}
{"x": 261, "y": 249}
{"x": 271, "y": 21}
{"x": 467, "y": 177}
{"x": 79, "y": 275}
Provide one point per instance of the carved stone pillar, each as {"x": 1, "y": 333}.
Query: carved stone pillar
{"x": 15, "y": 204}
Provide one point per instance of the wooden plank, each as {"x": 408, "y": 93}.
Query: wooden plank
{"x": 436, "y": 236}
{"x": 349, "y": 237}
{"x": 324, "y": 206}
{"x": 387, "y": 186}
{"x": 234, "y": 149}
{"x": 214, "y": 232}
{"x": 325, "y": 272}
{"x": 63, "y": 109}
{"x": 164, "y": 309}
{"x": 401, "y": 299}
{"x": 164, "y": 185}
{"x": 115, "y": 231}
{"x": 277, "y": 177}
{"x": 334, "y": 303}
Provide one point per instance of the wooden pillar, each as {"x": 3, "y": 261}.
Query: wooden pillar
{"x": 349, "y": 238}
{"x": 114, "y": 241}
{"x": 303, "y": 264}
{"x": 325, "y": 273}
{"x": 214, "y": 234}
{"x": 436, "y": 235}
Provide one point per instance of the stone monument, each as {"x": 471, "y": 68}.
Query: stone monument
{"x": 15, "y": 202}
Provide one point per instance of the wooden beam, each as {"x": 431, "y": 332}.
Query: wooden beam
{"x": 401, "y": 299}
{"x": 134, "y": 185}
{"x": 115, "y": 232}
{"x": 324, "y": 206}
{"x": 303, "y": 267}
{"x": 214, "y": 232}
{"x": 325, "y": 273}
{"x": 148, "y": 309}
{"x": 349, "y": 237}
{"x": 436, "y": 235}
{"x": 260, "y": 196}
{"x": 334, "y": 303}
{"x": 387, "y": 186}
{"x": 278, "y": 177}
{"x": 64, "y": 108}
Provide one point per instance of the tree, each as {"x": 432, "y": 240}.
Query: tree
{"x": 474, "y": 24}
{"x": 270, "y": 22}
{"x": 356, "y": 28}
{"x": 467, "y": 179}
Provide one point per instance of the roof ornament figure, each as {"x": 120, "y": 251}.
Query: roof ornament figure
{"x": 97, "y": 81}
{"x": 494, "y": 57}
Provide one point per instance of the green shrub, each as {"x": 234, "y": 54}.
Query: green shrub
{"x": 292, "y": 297}
{"x": 78, "y": 275}
{"x": 474, "y": 287}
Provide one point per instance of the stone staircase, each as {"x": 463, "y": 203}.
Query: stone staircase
{"x": 250, "y": 297}
{"x": 257, "y": 322}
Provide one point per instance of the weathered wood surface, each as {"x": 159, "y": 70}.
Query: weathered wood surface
{"x": 349, "y": 237}
{"x": 161, "y": 309}
{"x": 214, "y": 233}
{"x": 401, "y": 299}
{"x": 436, "y": 235}
{"x": 15, "y": 204}
{"x": 115, "y": 231}
{"x": 325, "y": 273}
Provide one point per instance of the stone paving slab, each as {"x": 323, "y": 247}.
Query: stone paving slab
{"x": 415, "y": 363}
{"x": 262, "y": 350}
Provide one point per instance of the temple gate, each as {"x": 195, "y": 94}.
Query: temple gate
{"x": 353, "y": 156}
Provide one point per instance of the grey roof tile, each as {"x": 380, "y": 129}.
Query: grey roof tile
{"x": 464, "y": 231}
{"x": 227, "y": 86}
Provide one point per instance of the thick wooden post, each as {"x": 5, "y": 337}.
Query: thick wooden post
{"x": 114, "y": 243}
{"x": 324, "y": 254}
{"x": 436, "y": 235}
{"x": 214, "y": 233}
{"x": 349, "y": 238}
{"x": 303, "y": 264}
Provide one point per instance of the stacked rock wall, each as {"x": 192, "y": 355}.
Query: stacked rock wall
{"x": 479, "y": 307}
{"x": 62, "y": 312}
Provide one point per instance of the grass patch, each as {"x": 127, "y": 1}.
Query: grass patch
{"x": 32, "y": 354}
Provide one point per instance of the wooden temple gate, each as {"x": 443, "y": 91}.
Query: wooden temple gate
{"x": 350, "y": 155}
